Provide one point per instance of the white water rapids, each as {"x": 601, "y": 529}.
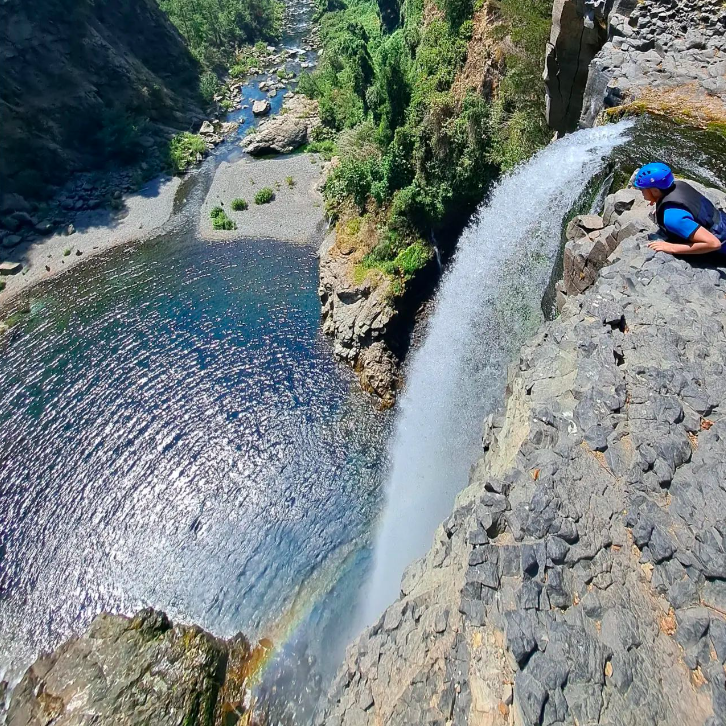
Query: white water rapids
{"x": 488, "y": 303}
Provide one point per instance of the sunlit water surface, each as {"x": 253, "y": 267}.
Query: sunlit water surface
{"x": 174, "y": 432}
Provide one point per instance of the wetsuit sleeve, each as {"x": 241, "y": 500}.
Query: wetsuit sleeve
{"x": 680, "y": 222}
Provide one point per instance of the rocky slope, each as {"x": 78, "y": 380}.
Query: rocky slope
{"x": 139, "y": 670}
{"x": 70, "y": 71}
{"x": 358, "y": 316}
{"x": 661, "y": 56}
{"x": 581, "y": 578}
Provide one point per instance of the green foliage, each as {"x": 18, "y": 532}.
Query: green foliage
{"x": 290, "y": 181}
{"x": 117, "y": 138}
{"x": 396, "y": 257}
{"x": 209, "y": 86}
{"x": 346, "y": 70}
{"x": 264, "y": 196}
{"x": 183, "y": 150}
{"x": 416, "y": 150}
{"x": 519, "y": 126}
{"x": 326, "y": 148}
{"x": 220, "y": 220}
{"x": 214, "y": 28}
{"x": 66, "y": 252}
{"x": 239, "y": 205}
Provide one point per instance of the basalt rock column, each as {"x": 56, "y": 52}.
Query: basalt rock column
{"x": 577, "y": 35}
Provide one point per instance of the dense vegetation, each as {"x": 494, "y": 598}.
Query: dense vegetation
{"x": 215, "y": 29}
{"x": 419, "y": 142}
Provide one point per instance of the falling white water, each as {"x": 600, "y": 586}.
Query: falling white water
{"x": 489, "y": 301}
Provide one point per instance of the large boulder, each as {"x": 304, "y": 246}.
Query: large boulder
{"x": 261, "y": 107}
{"x": 133, "y": 671}
{"x": 358, "y": 315}
{"x": 287, "y": 131}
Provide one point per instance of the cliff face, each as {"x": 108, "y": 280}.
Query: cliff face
{"x": 663, "y": 55}
{"x": 70, "y": 72}
{"x": 141, "y": 670}
{"x": 581, "y": 578}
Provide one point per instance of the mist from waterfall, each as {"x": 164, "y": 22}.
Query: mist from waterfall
{"x": 488, "y": 303}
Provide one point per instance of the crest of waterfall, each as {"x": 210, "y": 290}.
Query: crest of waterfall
{"x": 488, "y": 303}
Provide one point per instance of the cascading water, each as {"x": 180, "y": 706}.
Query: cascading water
{"x": 488, "y": 302}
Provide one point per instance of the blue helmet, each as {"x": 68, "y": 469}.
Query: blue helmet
{"x": 654, "y": 176}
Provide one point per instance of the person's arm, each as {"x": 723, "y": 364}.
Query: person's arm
{"x": 700, "y": 243}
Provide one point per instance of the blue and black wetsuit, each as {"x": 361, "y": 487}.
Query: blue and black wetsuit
{"x": 682, "y": 210}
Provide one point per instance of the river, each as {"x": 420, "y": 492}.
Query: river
{"x": 175, "y": 432}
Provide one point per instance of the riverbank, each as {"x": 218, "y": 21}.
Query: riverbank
{"x": 295, "y": 213}
{"x": 92, "y": 233}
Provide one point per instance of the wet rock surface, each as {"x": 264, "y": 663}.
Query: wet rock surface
{"x": 139, "y": 670}
{"x": 581, "y": 576}
{"x": 665, "y": 53}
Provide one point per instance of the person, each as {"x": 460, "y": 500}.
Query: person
{"x": 695, "y": 224}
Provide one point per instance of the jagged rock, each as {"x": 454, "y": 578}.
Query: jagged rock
{"x": 576, "y": 36}
{"x": 206, "y": 129}
{"x": 357, "y": 315}
{"x": 377, "y": 369}
{"x": 606, "y": 602}
{"x": 13, "y": 203}
{"x": 592, "y": 239}
{"x": 658, "y": 52}
{"x": 133, "y": 671}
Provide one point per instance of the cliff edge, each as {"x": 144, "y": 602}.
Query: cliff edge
{"x": 581, "y": 578}
{"x": 660, "y": 56}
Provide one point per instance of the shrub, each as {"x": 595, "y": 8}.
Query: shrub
{"x": 264, "y": 196}
{"x": 239, "y": 205}
{"x": 66, "y": 252}
{"x": 208, "y": 86}
{"x": 183, "y": 150}
{"x": 290, "y": 181}
{"x": 326, "y": 148}
{"x": 220, "y": 220}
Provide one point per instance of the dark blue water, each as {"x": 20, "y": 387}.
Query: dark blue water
{"x": 174, "y": 432}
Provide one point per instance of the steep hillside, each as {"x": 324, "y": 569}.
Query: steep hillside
{"x": 421, "y": 121}
{"x": 85, "y": 81}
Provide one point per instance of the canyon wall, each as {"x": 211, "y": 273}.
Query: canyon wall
{"x": 75, "y": 77}
{"x": 661, "y": 56}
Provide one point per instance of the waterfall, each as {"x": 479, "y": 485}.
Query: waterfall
{"x": 487, "y": 305}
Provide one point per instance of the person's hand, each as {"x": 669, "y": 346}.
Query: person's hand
{"x": 660, "y": 246}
